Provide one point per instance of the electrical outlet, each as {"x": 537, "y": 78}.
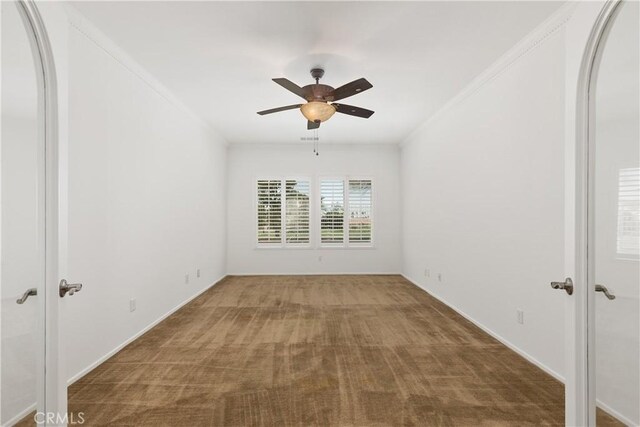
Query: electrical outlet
{"x": 132, "y": 305}
{"x": 198, "y": 273}
{"x": 520, "y": 316}
{"x": 427, "y": 272}
{"x": 439, "y": 277}
{"x": 186, "y": 279}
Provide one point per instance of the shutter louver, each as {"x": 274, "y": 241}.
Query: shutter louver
{"x": 332, "y": 211}
{"x": 297, "y": 211}
{"x": 269, "y": 211}
{"x": 360, "y": 211}
{"x": 628, "y": 233}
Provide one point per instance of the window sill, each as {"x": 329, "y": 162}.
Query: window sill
{"x": 274, "y": 247}
{"x": 306, "y": 248}
{"x": 357, "y": 248}
{"x": 627, "y": 258}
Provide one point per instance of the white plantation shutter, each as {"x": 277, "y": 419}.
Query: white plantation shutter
{"x": 297, "y": 211}
{"x": 269, "y": 201}
{"x": 360, "y": 206}
{"x": 332, "y": 211}
{"x": 628, "y": 233}
{"x": 284, "y": 212}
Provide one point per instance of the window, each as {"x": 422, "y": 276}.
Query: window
{"x": 283, "y": 212}
{"x": 278, "y": 226}
{"x": 628, "y": 233}
{"x": 269, "y": 211}
{"x": 297, "y": 211}
{"x": 332, "y": 211}
{"x": 346, "y": 213}
{"x": 360, "y": 211}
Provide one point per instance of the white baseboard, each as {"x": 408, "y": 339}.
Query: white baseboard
{"x": 21, "y": 415}
{"x": 102, "y": 359}
{"x": 608, "y": 409}
{"x": 495, "y": 335}
{"x": 322, "y": 273}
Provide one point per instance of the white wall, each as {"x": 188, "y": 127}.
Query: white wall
{"x": 146, "y": 190}
{"x": 483, "y": 202}
{"x": 249, "y": 162}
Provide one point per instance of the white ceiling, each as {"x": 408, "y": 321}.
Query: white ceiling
{"x": 219, "y": 57}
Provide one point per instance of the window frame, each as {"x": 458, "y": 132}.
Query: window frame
{"x": 318, "y": 222}
{"x": 283, "y": 212}
{"x": 345, "y": 243}
{"x": 624, "y": 255}
{"x": 347, "y": 212}
{"x": 315, "y": 214}
{"x": 256, "y": 213}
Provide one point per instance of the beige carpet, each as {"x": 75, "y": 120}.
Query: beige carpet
{"x": 317, "y": 350}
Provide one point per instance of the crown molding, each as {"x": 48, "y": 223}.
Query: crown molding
{"x": 524, "y": 47}
{"x": 84, "y": 26}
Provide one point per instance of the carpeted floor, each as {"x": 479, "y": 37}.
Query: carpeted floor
{"x": 317, "y": 350}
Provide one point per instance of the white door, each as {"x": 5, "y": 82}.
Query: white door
{"x": 29, "y": 393}
{"x": 614, "y": 216}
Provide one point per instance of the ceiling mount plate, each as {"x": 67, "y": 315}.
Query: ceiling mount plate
{"x": 317, "y": 73}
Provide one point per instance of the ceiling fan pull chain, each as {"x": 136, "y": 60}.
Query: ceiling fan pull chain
{"x": 313, "y": 140}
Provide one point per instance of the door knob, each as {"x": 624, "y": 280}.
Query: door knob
{"x": 567, "y": 285}
{"x": 28, "y": 293}
{"x": 605, "y": 291}
{"x": 69, "y": 288}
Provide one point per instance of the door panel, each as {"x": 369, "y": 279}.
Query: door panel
{"x": 22, "y": 244}
{"x": 616, "y": 216}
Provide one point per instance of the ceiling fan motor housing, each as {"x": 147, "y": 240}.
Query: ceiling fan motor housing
{"x": 318, "y": 92}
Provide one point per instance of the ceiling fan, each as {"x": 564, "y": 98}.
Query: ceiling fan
{"x": 317, "y": 109}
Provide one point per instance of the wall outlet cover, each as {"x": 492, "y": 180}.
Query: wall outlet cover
{"x": 132, "y": 305}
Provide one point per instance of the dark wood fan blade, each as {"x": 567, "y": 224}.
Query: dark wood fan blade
{"x": 313, "y": 125}
{"x": 353, "y": 111}
{"x": 291, "y": 87}
{"x": 350, "y": 89}
{"x": 275, "y": 110}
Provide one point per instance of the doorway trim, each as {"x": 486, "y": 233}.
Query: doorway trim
{"x": 52, "y": 394}
{"x": 584, "y": 408}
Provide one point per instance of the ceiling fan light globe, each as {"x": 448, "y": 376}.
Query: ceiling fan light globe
{"x": 316, "y": 111}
